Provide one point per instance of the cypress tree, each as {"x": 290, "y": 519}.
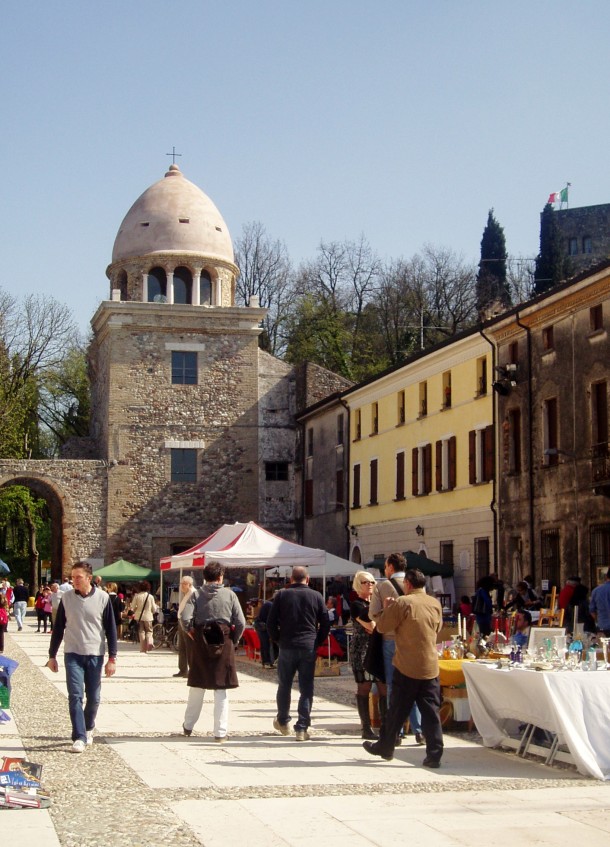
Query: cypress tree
{"x": 552, "y": 265}
{"x": 492, "y": 286}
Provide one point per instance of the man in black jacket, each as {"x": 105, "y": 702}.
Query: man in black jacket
{"x": 298, "y": 622}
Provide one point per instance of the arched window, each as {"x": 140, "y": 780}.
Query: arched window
{"x": 183, "y": 285}
{"x": 122, "y": 285}
{"x": 205, "y": 289}
{"x": 157, "y": 286}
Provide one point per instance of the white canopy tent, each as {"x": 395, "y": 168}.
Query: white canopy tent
{"x": 248, "y": 545}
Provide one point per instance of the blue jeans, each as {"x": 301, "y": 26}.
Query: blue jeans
{"x": 83, "y": 678}
{"x": 389, "y": 648}
{"x": 19, "y": 610}
{"x": 290, "y": 662}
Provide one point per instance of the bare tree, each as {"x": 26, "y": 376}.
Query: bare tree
{"x": 266, "y": 273}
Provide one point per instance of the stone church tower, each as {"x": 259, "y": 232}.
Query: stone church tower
{"x": 176, "y": 370}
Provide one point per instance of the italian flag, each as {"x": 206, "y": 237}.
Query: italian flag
{"x": 558, "y": 196}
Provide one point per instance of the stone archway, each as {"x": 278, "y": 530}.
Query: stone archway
{"x": 48, "y": 492}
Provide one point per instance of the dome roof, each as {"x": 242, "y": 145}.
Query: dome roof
{"x": 173, "y": 215}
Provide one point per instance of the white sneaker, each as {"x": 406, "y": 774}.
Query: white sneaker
{"x": 78, "y": 746}
{"x": 89, "y": 737}
{"x": 302, "y": 735}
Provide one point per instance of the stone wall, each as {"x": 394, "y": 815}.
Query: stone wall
{"x": 586, "y": 222}
{"x": 75, "y": 492}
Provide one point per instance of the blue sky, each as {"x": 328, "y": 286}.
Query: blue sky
{"x": 324, "y": 119}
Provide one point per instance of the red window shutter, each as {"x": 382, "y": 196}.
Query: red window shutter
{"x": 414, "y": 469}
{"x": 428, "y": 468}
{"x": 356, "y": 500}
{"x": 452, "y": 462}
{"x": 439, "y": 465}
{"x": 373, "y": 482}
{"x": 472, "y": 457}
{"x": 400, "y": 476}
{"x": 488, "y": 453}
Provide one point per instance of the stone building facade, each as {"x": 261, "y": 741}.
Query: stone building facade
{"x": 192, "y": 425}
{"x": 585, "y": 233}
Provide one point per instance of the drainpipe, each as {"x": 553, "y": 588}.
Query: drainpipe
{"x": 530, "y": 451}
{"x": 347, "y": 465}
{"x": 493, "y": 504}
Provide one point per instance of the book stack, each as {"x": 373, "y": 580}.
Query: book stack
{"x": 20, "y": 785}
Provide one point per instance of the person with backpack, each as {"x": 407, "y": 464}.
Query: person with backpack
{"x": 213, "y": 619}
{"x": 3, "y": 619}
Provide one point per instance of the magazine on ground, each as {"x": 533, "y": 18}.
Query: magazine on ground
{"x": 20, "y": 785}
{"x": 31, "y": 770}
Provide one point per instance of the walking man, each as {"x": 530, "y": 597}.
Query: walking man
{"x": 416, "y": 619}
{"x": 186, "y": 591}
{"x": 391, "y": 587}
{"x": 84, "y": 619}
{"x": 298, "y": 622}
{"x": 599, "y": 606}
{"x": 20, "y": 603}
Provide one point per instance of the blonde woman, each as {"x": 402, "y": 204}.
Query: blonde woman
{"x": 363, "y": 584}
{"x": 143, "y": 607}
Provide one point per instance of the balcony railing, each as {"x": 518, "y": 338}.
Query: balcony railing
{"x": 600, "y": 464}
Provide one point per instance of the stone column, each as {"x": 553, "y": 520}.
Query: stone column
{"x": 145, "y": 288}
{"x": 170, "y": 286}
{"x": 195, "y": 298}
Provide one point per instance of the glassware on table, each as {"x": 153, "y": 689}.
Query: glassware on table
{"x": 605, "y": 642}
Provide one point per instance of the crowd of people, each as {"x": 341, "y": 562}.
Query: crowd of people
{"x": 394, "y": 645}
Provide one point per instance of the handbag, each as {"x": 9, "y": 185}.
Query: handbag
{"x": 213, "y": 639}
{"x": 373, "y": 660}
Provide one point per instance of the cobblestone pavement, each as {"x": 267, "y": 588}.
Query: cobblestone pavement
{"x": 142, "y": 783}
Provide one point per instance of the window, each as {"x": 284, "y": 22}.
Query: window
{"x": 573, "y": 246}
{"x": 309, "y": 498}
{"x": 481, "y": 455}
{"x": 550, "y": 424}
{"x": 340, "y": 433}
{"x": 423, "y": 399}
{"x": 373, "y": 482}
{"x": 157, "y": 286}
{"x": 356, "y": 491}
{"x": 587, "y": 244}
{"x": 183, "y": 464}
{"x": 276, "y": 471}
{"x": 310, "y": 442}
{"x": 339, "y": 490}
{"x": 446, "y": 464}
{"x": 183, "y": 286}
{"x": 599, "y": 418}
{"x": 447, "y": 553}
{"x": 513, "y": 434}
{"x": 481, "y": 558}
{"x": 421, "y": 471}
{"x": 374, "y": 418}
{"x": 482, "y": 376}
{"x": 357, "y": 425}
{"x": 184, "y": 368}
{"x": 513, "y": 353}
{"x": 549, "y": 556}
{"x": 402, "y": 408}
{"x": 205, "y": 289}
{"x": 599, "y": 543}
{"x": 447, "y": 390}
{"x": 548, "y": 342}
{"x": 596, "y": 318}
{"x": 400, "y": 475}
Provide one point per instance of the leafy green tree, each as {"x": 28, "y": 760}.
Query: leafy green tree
{"x": 492, "y": 285}
{"x": 24, "y": 519}
{"x": 552, "y": 264}
{"x": 65, "y": 398}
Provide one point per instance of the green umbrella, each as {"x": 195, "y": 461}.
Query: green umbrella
{"x": 122, "y": 571}
{"x": 427, "y": 566}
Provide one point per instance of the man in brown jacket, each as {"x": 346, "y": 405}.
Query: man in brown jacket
{"x": 416, "y": 620}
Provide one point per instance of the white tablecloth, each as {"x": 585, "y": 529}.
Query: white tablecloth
{"x": 573, "y": 704}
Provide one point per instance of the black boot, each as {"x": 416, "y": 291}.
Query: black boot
{"x": 365, "y": 718}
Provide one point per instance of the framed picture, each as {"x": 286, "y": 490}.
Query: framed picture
{"x": 539, "y": 634}
{"x": 601, "y": 575}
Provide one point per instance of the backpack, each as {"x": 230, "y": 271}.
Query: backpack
{"x": 3, "y": 617}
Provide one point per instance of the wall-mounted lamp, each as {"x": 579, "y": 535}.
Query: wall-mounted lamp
{"x": 354, "y": 531}
{"x": 419, "y": 529}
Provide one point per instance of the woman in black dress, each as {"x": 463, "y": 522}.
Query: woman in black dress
{"x": 363, "y": 585}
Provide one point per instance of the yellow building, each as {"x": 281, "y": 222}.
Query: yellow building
{"x": 422, "y": 460}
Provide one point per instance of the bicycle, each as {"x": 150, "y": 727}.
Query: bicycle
{"x": 166, "y": 635}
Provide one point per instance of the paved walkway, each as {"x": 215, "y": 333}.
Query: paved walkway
{"x": 143, "y": 783}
